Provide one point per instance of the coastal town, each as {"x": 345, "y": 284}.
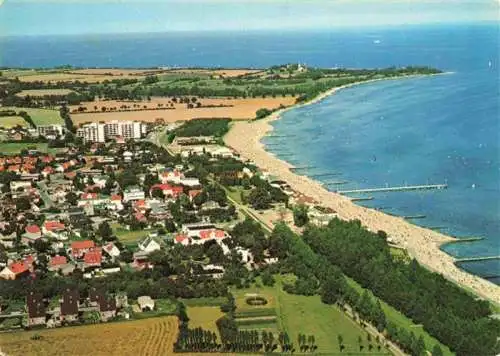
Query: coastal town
{"x": 110, "y": 219}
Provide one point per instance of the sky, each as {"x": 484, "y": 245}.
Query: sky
{"x": 67, "y": 17}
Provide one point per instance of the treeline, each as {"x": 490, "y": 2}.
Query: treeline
{"x": 204, "y": 127}
{"x": 447, "y": 312}
{"x": 155, "y": 283}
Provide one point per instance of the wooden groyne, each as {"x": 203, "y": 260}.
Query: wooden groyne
{"x": 362, "y": 199}
{"x": 280, "y": 136}
{"x": 324, "y": 175}
{"x": 409, "y": 217}
{"x": 477, "y": 259}
{"x": 335, "y": 182}
{"x": 301, "y": 168}
{"x": 465, "y": 239}
{"x": 395, "y": 189}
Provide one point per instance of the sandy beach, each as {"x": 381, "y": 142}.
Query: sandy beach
{"x": 421, "y": 243}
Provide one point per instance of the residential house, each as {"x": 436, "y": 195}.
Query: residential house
{"x": 93, "y": 258}
{"x": 8, "y": 239}
{"x": 193, "y": 229}
{"x": 167, "y": 190}
{"x": 54, "y": 229}
{"x": 36, "y": 309}
{"x": 141, "y": 260}
{"x": 133, "y": 193}
{"x": 111, "y": 250}
{"x": 149, "y": 244}
{"x": 15, "y": 270}
{"x": 107, "y": 309}
{"x": 80, "y": 248}
{"x": 32, "y": 234}
{"x": 57, "y": 262}
{"x": 146, "y": 303}
{"x": 69, "y": 305}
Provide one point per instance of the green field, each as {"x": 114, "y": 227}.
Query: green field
{"x": 40, "y": 116}
{"x": 12, "y": 121}
{"x": 301, "y": 314}
{"x": 204, "y": 317}
{"x": 14, "y": 147}
{"x": 402, "y": 321}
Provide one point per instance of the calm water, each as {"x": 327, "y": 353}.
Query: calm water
{"x": 414, "y": 131}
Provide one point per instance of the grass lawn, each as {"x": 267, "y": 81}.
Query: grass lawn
{"x": 204, "y": 317}
{"x": 127, "y": 236}
{"x": 235, "y": 193}
{"x": 12, "y": 121}
{"x": 40, "y": 116}
{"x": 402, "y": 321}
{"x": 14, "y": 147}
{"x": 308, "y": 315}
{"x": 163, "y": 307}
{"x": 204, "y": 302}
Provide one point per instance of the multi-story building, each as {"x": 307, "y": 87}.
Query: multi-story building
{"x": 93, "y": 132}
{"x": 51, "y": 131}
{"x": 99, "y": 132}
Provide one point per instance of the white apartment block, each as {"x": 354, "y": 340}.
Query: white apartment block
{"x": 99, "y": 132}
{"x": 93, "y": 132}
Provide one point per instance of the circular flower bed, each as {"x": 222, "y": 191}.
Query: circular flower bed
{"x": 257, "y": 300}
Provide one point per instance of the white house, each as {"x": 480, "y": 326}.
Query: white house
{"x": 133, "y": 193}
{"x": 111, "y": 250}
{"x": 149, "y": 244}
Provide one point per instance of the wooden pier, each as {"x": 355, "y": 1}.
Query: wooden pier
{"x": 395, "y": 189}
{"x": 477, "y": 259}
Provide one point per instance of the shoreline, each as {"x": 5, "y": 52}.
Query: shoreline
{"x": 421, "y": 243}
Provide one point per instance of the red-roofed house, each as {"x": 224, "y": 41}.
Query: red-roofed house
{"x": 193, "y": 193}
{"x": 57, "y": 262}
{"x": 15, "y": 270}
{"x": 93, "y": 258}
{"x": 32, "y": 234}
{"x": 88, "y": 196}
{"x": 53, "y": 226}
{"x": 79, "y": 248}
{"x": 182, "y": 239}
{"x": 141, "y": 217}
{"x": 212, "y": 234}
{"x": 47, "y": 171}
{"x": 167, "y": 189}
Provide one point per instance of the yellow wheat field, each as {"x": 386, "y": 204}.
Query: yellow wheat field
{"x": 148, "y": 337}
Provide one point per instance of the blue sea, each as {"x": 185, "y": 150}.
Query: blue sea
{"x": 441, "y": 129}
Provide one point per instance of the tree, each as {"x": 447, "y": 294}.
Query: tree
{"x": 300, "y": 216}
{"x": 105, "y": 231}
{"x": 267, "y": 278}
{"x": 23, "y": 203}
{"x": 436, "y": 351}
{"x": 263, "y": 112}
{"x": 71, "y": 198}
{"x": 259, "y": 198}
